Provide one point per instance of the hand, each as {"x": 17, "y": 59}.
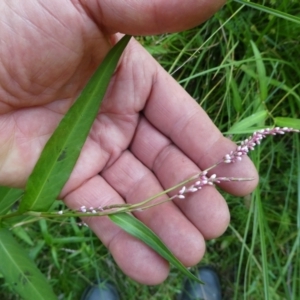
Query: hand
{"x": 149, "y": 135}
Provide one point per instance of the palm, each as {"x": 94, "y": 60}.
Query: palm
{"x": 142, "y": 140}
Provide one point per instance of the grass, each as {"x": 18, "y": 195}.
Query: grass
{"x": 243, "y": 67}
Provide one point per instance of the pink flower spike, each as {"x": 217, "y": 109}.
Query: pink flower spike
{"x": 192, "y": 189}
{"x": 182, "y": 190}
{"x": 82, "y": 209}
{"x": 181, "y": 196}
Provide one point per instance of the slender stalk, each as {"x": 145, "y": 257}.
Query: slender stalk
{"x": 200, "y": 180}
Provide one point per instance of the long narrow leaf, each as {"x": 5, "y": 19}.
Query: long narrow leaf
{"x": 140, "y": 231}
{"x": 63, "y": 148}
{"x": 287, "y": 122}
{"x": 20, "y": 271}
{"x": 261, "y": 71}
{"x": 271, "y": 11}
{"x": 248, "y": 122}
{"x": 8, "y": 196}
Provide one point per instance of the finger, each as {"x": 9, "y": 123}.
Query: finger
{"x": 175, "y": 114}
{"x": 135, "y": 182}
{"x": 150, "y": 17}
{"x": 145, "y": 266}
{"x": 206, "y": 209}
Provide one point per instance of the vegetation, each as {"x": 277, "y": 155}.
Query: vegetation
{"x": 242, "y": 67}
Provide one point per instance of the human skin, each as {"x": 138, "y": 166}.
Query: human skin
{"x": 149, "y": 134}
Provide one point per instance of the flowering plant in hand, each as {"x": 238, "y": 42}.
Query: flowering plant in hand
{"x": 190, "y": 185}
{"x": 59, "y": 157}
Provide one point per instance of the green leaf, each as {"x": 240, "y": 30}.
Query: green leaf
{"x": 236, "y": 98}
{"x": 248, "y": 122}
{"x": 140, "y": 231}
{"x": 20, "y": 271}
{"x": 8, "y": 196}
{"x": 63, "y": 148}
{"x": 271, "y": 11}
{"x": 261, "y": 71}
{"x": 287, "y": 122}
{"x": 22, "y": 234}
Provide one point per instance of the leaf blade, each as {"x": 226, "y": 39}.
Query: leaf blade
{"x": 271, "y": 11}
{"x": 140, "y": 231}
{"x": 61, "y": 152}
{"x": 261, "y": 71}
{"x": 287, "y": 122}
{"x": 21, "y": 272}
{"x": 248, "y": 122}
{"x": 8, "y": 196}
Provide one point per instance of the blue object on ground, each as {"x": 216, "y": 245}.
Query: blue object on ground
{"x": 211, "y": 290}
{"x": 101, "y": 291}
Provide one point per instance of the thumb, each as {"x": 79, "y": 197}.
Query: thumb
{"x": 150, "y": 17}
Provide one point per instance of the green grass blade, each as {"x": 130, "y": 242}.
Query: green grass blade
{"x": 261, "y": 71}
{"x": 8, "y": 196}
{"x": 271, "y": 11}
{"x": 140, "y": 231}
{"x": 236, "y": 98}
{"x": 295, "y": 286}
{"x": 21, "y": 272}
{"x": 248, "y": 122}
{"x": 287, "y": 122}
{"x": 63, "y": 148}
{"x": 21, "y": 233}
{"x": 263, "y": 246}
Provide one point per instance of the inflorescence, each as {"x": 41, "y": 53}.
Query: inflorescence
{"x": 203, "y": 181}
{"x": 252, "y": 141}
{"x": 200, "y": 180}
